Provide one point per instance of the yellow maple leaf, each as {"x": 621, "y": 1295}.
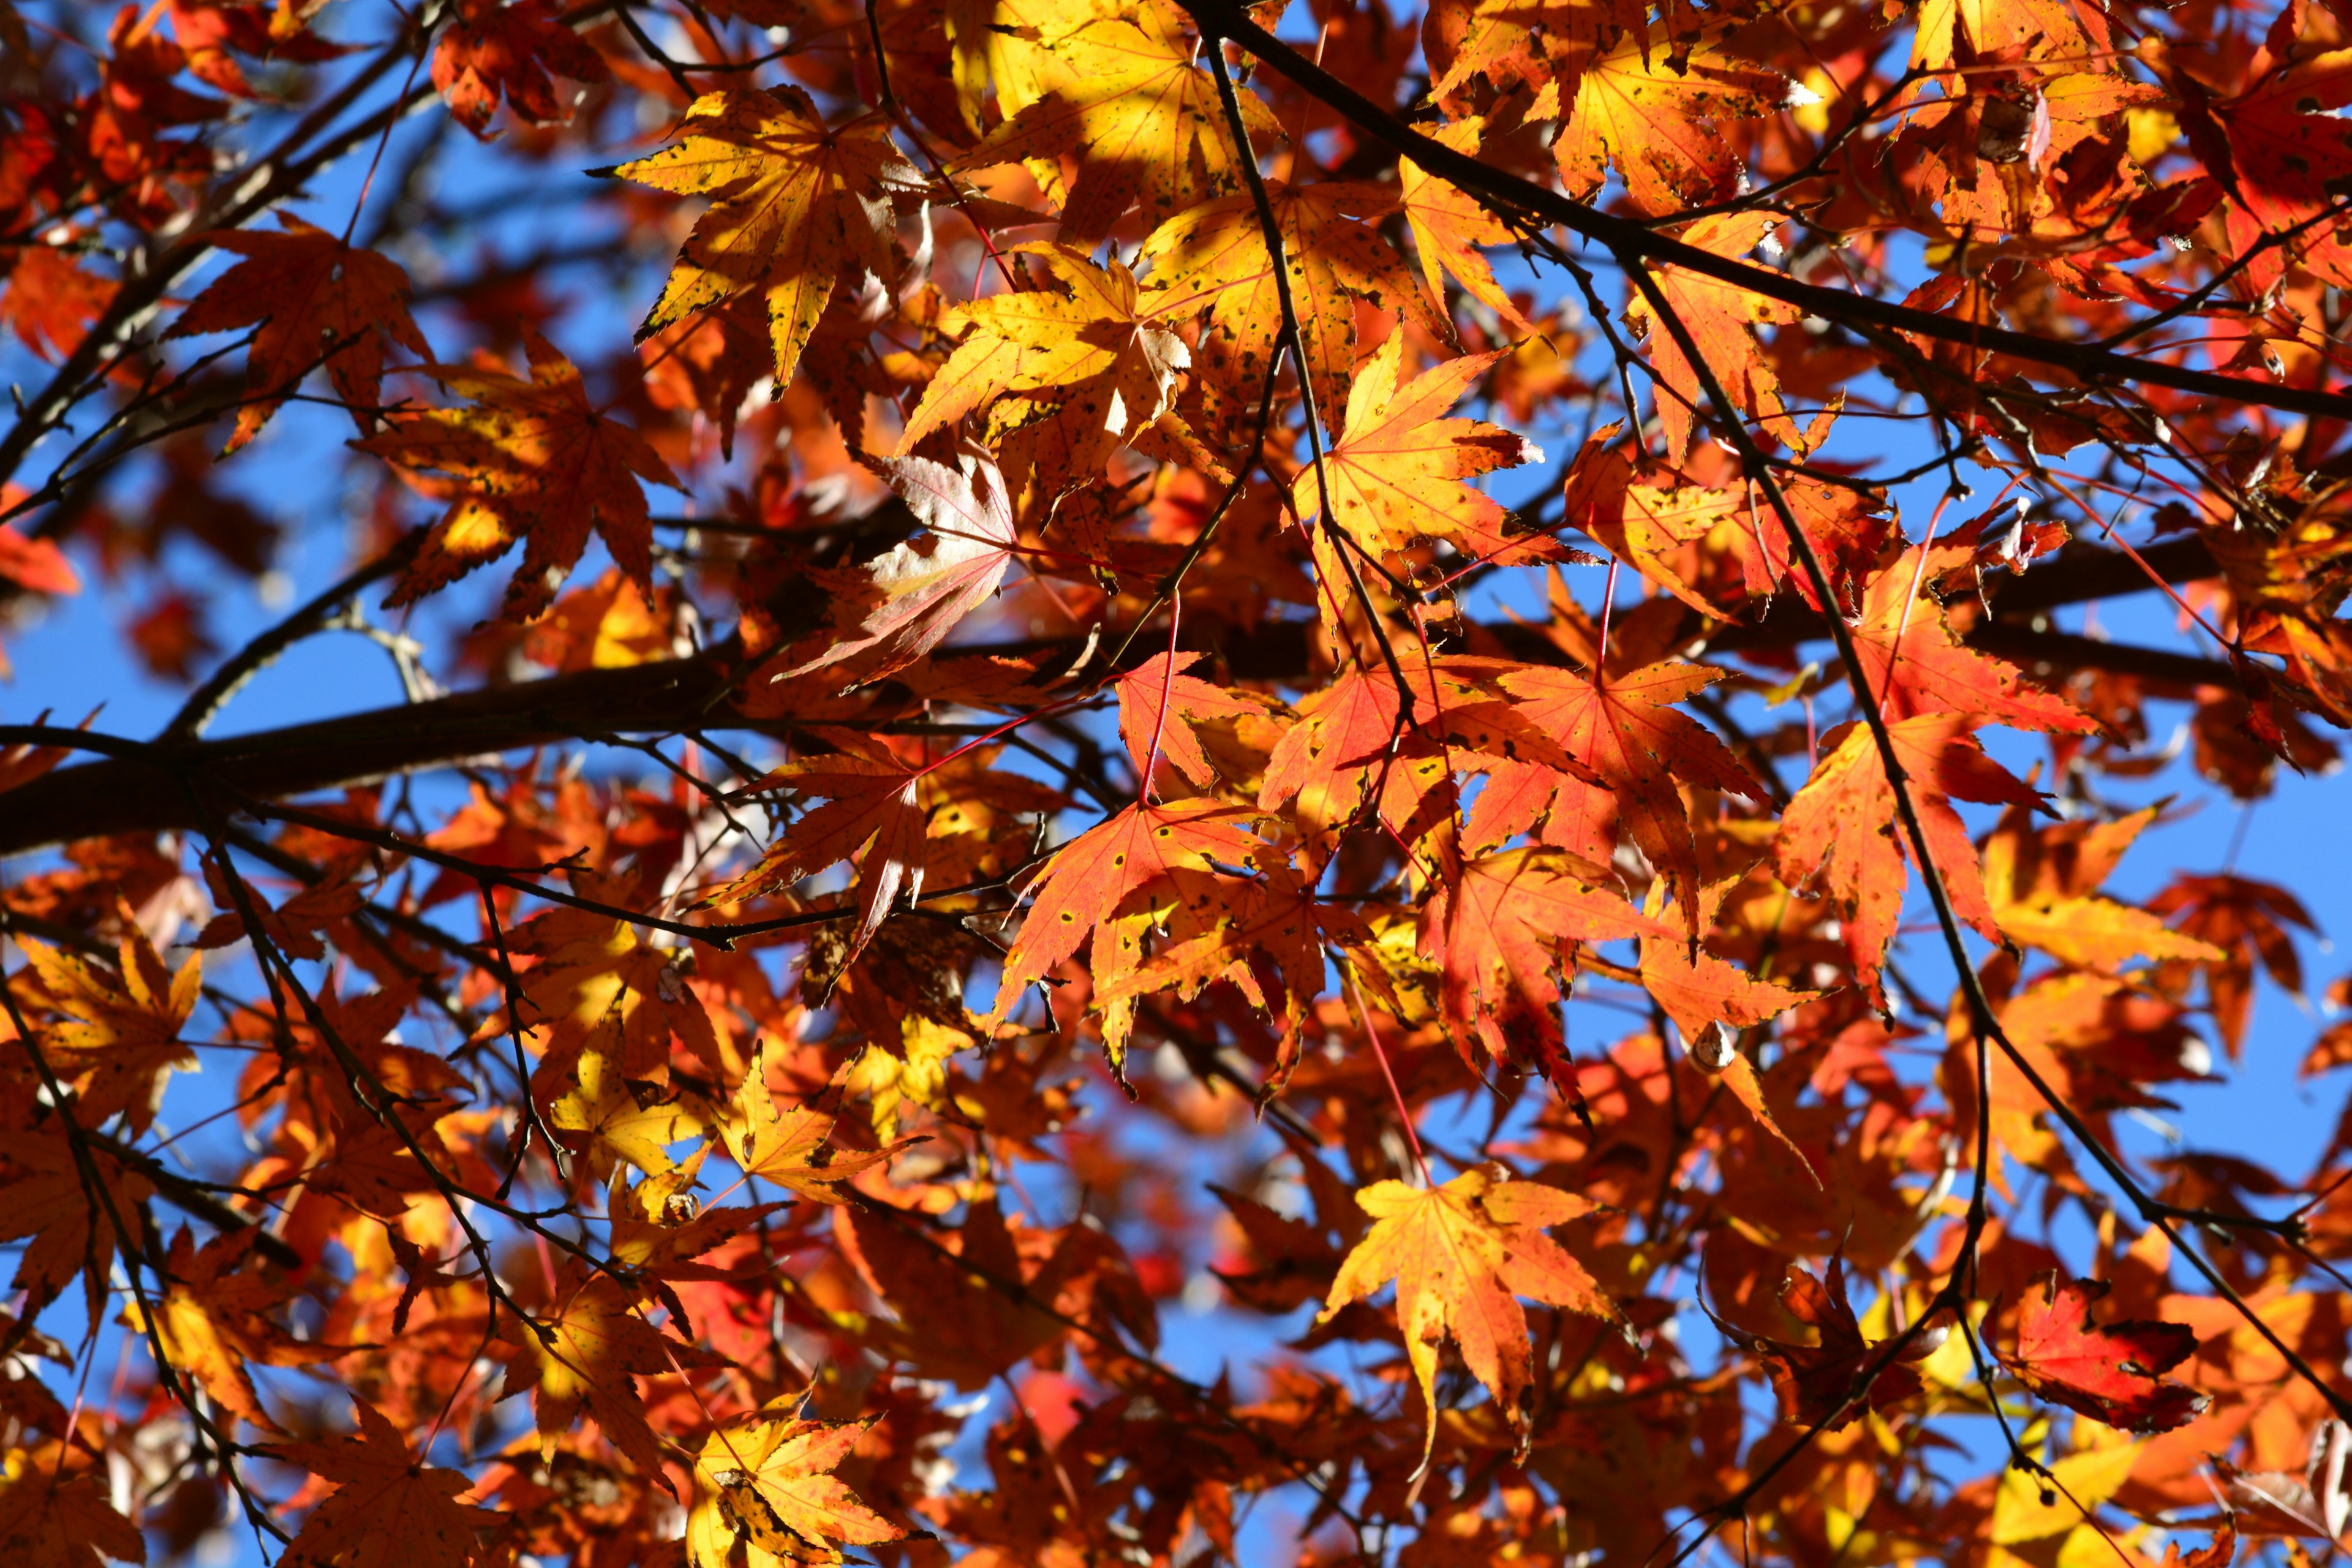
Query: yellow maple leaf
{"x": 2040, "y": 888}
{"x": 121, "y": 1037}
{"x": 1462, "y": 1255}
{"x": 767, "y": 1485}
{"x": 1396, "y": 473}
{"x": 623, "y": 1122}
{"x": 1650, "y": 102}
{"x": 1090, "y": 353}
{"x": 1142, "y": 116}
{"x": 789, "y": 1145}
{"x": 1213, "y": 256}
{"x": 797, "y": 207}
{"x": 1448, "y": 225}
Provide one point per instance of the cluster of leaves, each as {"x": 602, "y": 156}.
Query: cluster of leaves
{"x": 1092, "y": 810}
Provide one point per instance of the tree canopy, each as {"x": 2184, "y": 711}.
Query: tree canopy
{"x": 1174, "y": 783}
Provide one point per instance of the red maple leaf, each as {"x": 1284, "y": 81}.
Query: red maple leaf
{"x": 2111, "y": 1372}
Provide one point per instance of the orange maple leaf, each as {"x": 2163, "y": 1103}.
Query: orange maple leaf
{"x": 797, "y": 207}
{"x": 314, "y": 297}
{"x": 490, "y": 47}
{"x": 1722, "y": 319}
{"x": 1397, "y": 469}
{"x": 35, "y": 563}
{"x": 1623, "y": 731}
{"x": 766, "y": 1483}
{"x": 49, "y": 302}
{"x": 1916, "y": 666}
{"x": 1497, "y": 929}
{"x": 389, "y": 1507}
{"x": 1462, "y": 1255}
{"x": 123, "y": 1040}
{"x": 1087, "y": 878}
{"x": 532, "y": 460}
{"x": 216, "y": 1319}
{"x": 1159, "y": 704}
{"x": 1841, "y": 827}
{"x": 1339, "y": 752}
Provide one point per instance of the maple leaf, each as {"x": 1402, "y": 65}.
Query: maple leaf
{"x": 124, "y": 1038}
{"x": 490, "y": 47}
{"x": 388, "y": 1505}
{"x": 1841, "y": 827}
{"x": 532, "y": 460}
{"x": 216, "y": 1319}
{"x": 50, "y": 303}
{"x": 766, "y": 1483}
{"x": 1623, "y": 731}
{"x": 1648, "y": 524}
{"x": 586, "y": 1356}
{"x": 1448, "y": 224}
{"x": 2039, "y": 887}
{"x": 904, "y": 602}
{"x": 1142, "y": 118}
{"x": 2245, "y": 921}
{"x": 1915, "y": 665}
{"x": 1699, "y": 992}
{"x": 1462, "y": 1255}
{"x": 1099, "y": 360}
{"x": 1088, "y": 878}
{"x": 1159, "y": 686}
{"x": 1213, "y": 256}
{"x": 1818, "y": 1380}
{"x": 35, "y": 563}
{"x": 599, "y": 981}
{"x": 1722, "y": 319}
{"x": 1395, "y": 473}
{"x": 314, "y": 297}
{"x": 1351, "y": 738}
{"x": 872, "y": 806}
{"x": 213, "y": 34}
{"x": 797, "y": 209}
{"x": 2110, "y": 1372}
{"x": 47, "y": 1520}
{"x": 292, "y": 925}
{"x": 618, "y": 1121}
{"x": 70, "y": 1229}
{"x": 1650, "y": 102}
{"x": 971, "y": 1302}
{"x": 1265, "y": 934}
{"x": 791, "y": 1147}
{"x": 1496, "y": 933}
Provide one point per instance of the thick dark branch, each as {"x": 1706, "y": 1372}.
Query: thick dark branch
{"x": 131, "y": 792}
{"x": 128, "y": 793}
